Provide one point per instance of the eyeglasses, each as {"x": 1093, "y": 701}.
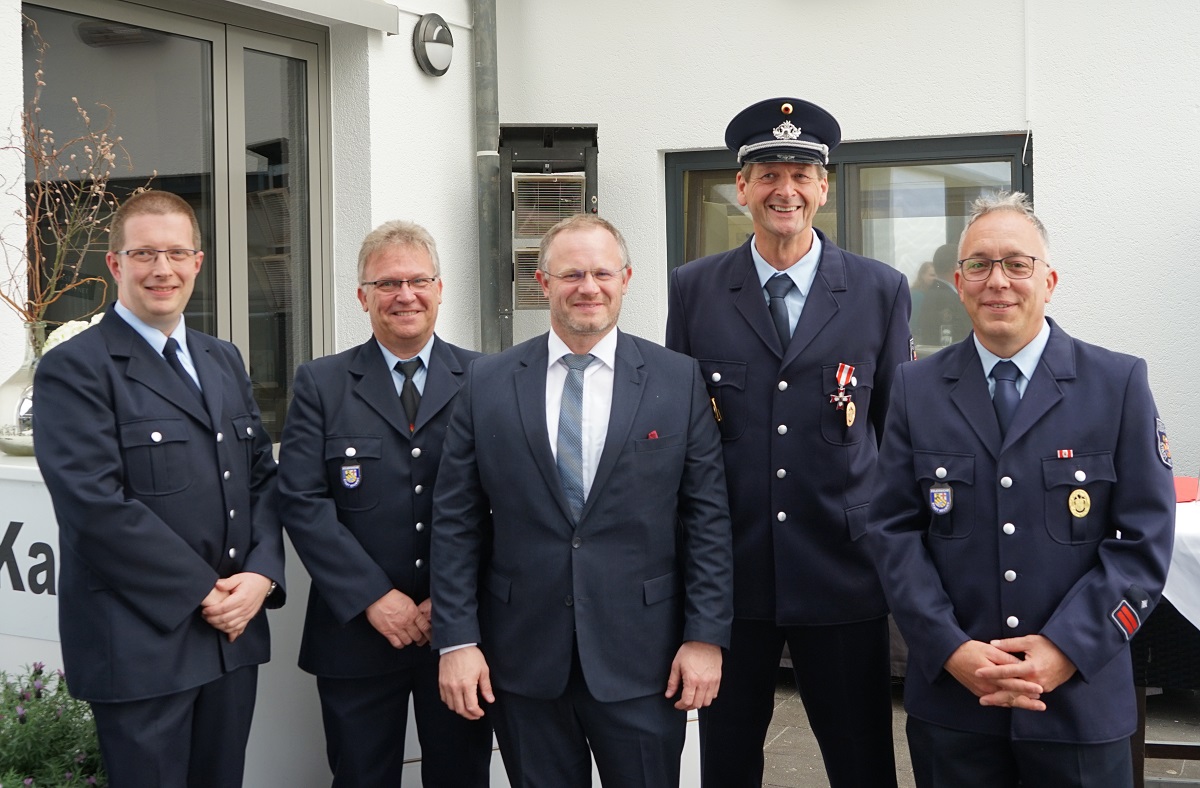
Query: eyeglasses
{"x": 1015, "y": 266}
{"x": 418, "y": 285}
{"x": 146, "y": 256}
{"x": 601, "y": 275}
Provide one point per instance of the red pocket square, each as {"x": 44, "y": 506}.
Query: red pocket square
{"x": 653, "y": 434}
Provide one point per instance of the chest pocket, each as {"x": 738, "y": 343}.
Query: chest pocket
{"x": 1078, "y": 490}
{"x": 353, "y": 468}
{"x": 834, "y": 428}
{"x": 726, "y": 382}
{"x": 947, "y": 483}
{"x": 156, "y": 456}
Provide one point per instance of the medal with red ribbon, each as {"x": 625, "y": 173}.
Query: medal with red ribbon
{"x": 842, "y": 399}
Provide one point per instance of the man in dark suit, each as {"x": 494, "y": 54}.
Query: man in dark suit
{"x": 582, "y": 582}
{"x": 163, "y": 484}
{"x": 1022, "y": 522}
{"x": 358, "y": 465}
{"x": 798, "y": 341}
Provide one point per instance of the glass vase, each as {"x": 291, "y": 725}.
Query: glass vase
{"x": 16, "y": 396}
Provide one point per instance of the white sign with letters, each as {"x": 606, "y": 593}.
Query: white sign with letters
{"x": 28, "y": 554}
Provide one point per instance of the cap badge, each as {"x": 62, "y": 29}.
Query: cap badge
{"x": 786, "y": 131}
{"x": 786, "y": 109}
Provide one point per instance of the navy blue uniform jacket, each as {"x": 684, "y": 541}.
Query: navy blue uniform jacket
{"x": 156, "y": 497}
{"x": 357, "y": 491}
{"x": 799, "y": 478}
{"x": 945, "y": 574}
{"x": 646, "y": 568}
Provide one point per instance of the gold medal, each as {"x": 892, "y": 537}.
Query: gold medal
{"x": 850, "y": 414}
{"x": 1080, "y": 503}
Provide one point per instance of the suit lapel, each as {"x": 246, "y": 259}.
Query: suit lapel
{"x": 749, "y": 300}
{"x": 376, "y": 387}
{"x": 443, "y": 379}
{"x": 150, "y": 369}
{"x": 212, "y": 376}
{"x": 628, "y": 379}
{"x": 821, "y": 304}
{"x": 1043, "y": 392}
{"x": 969, "y": 393}
{"x": 529, "y": 381}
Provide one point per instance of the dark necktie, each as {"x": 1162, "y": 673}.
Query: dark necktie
{"x": 1005, "y": 398}
{"x": 570, "y": 431}
{"x": 778, "y": 287}
{"x": 410, "y": 398}
{"x": 171, "y": 354}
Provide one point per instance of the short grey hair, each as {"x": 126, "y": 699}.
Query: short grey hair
{"x": 991, "y": 202}
{"x": 397, "y": 233}
{"x": 580, "y": 221}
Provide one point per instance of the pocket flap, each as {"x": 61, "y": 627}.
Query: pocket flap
{"x": 660, "y": 588}
{"x": 723, "y": 373}
{"x": 1078, "y": 470}
{"x": 942, "y": 467}
{"x": 153, "y": 432}
{"x": 351, "y": 447}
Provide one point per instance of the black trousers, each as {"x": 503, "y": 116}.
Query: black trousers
{"x": 637, "y": 743}
{"x": 946, "y": 758}
{"x": 193, "y": 739}
{"x": 365, "y": 724}
{"x": 843, "y": 676}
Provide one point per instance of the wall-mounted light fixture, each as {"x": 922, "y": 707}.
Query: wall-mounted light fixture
{"x": 433, "y": 45}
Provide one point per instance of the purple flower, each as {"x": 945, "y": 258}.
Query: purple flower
{"x": 79, "y": 757}
{"x": 68, "y": 776}
{"x": 37, "y": 688}
{"x": 21, "y": 714}
{"x": 29, "y": 781}
{"x": 61, "y": 675}
{"x": 91, "y": 780}
{"x": 38, "y": 667}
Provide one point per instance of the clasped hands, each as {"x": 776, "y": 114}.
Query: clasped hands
{"x": 234, "y": 601}
{"x": 999, "y": 677}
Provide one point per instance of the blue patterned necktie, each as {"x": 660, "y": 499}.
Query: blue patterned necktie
{"x": 1005, "y": 397}
{"x": 570, "y": 431}
{"x": 171, "y": 354}
{"x": 778, "y": 287}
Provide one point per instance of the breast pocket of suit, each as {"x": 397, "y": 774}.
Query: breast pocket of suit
{"x": 947, "y": 483}
{"x": 847, "y": 424}
{"x": 726, "y": 382}
{"x": 354, "y": 469}
{"x": 1078, "y": 490}
{"x": 156, "y": 453}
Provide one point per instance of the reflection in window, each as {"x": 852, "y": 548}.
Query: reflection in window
{"x": 904, "y": 202}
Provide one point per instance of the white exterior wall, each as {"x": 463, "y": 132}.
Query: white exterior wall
{"x": 1109, "y": 92}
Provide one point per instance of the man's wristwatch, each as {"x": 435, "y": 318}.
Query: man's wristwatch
{"x": 271, "y": 590}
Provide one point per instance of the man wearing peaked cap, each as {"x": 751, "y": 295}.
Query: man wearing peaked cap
{"x": 1022, "y": 523}
{"x": 798, "y": 342}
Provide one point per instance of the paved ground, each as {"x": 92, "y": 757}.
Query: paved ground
{"x": 793, "y": 760}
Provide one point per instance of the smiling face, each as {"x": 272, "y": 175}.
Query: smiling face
{"x": 402, "y": 321}
{"x": 783, "y": 198}
{"x": 157, "y": 292}
{"x": 1005, "y": 313}
{"x": 581, "y": 313}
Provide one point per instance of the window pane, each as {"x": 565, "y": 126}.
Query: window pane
{"x": 277, "y": 228}
{"x": 165, "y": 125}
{"x": 716, "y": 222}
{"x": 906, "y": 213}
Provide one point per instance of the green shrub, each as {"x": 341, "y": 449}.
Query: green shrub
{"x": 47, "y": 738}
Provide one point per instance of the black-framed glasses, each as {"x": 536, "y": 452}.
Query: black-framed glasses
{"x": 147, "y": 256}
{"x": 1015, "y": 266}
{"x": 418, "y": 285}
{"x": 601, "y": 275}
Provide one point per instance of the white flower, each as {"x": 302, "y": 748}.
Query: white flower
{"x": 68, "y": 330}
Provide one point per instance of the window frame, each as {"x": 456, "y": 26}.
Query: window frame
{"x": 1018, "y": 148}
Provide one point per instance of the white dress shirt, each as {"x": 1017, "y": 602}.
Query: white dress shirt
{"x": 597, "y": 399}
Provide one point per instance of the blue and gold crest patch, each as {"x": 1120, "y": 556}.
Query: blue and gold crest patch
{"x": 351, "y": 476}
{"x": 1164, "y": 448}
{"x": 941, "y": 498}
